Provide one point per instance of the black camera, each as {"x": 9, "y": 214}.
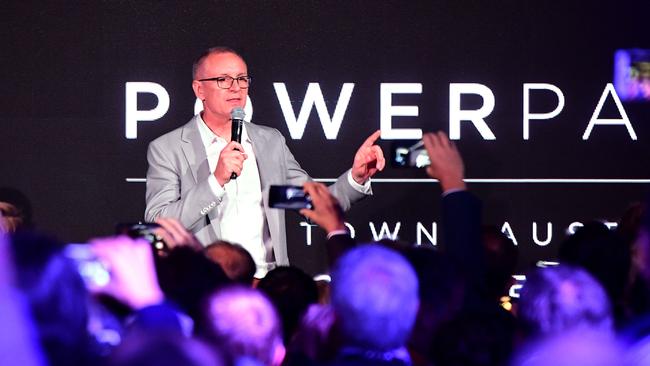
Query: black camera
{"x": 145, "y": 230}
{"x": 409, "y": 154}
{"x": 289, "y": 198}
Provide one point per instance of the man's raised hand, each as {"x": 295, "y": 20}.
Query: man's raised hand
{"x": 446, "y": 162}
{"x": 368, "y": 160}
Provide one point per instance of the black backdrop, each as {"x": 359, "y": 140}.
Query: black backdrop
{"x": 65, "y": 65}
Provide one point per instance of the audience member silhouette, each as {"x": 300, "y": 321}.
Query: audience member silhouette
{"x": 291, "y": 291}
{"x": 375, "y": 301}
{"x": 234, "y": 259}
{"x": 602, "y": 253}
{"x": 244, "y": 323}
{"x": 562, "y": 299}
{"x": 56, "y": 297}
{"x": 164, "y": 350}
{"x": 15, "y": 211}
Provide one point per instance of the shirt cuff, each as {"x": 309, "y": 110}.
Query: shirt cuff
{"x": 450, "y": 191}
{"x": 337, "y": 232}
{"x": 218, "y": 190}
{"x": 362, "y": 188}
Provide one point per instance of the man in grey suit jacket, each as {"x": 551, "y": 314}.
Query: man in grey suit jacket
{"x": 190, "y": 168}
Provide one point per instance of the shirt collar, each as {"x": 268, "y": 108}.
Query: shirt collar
{"x": 208, "y": 137}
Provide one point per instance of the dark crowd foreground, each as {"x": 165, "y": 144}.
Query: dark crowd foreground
{"x": 120, "y": 301}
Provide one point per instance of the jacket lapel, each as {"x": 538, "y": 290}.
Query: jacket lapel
{"x": 260, "y": 143}
{"x": 194, "y": 151}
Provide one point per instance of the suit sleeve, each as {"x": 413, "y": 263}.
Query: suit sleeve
{"x": 163, "y": 195}
{"x": 341, "y": 189}
{"x": 295, "y": 174}
{"x": 461, "y": 224}
{"x": 345, "y": 193}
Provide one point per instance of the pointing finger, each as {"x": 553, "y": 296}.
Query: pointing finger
{"x": 381, "y": 161}
{"x": 371, "y": 139}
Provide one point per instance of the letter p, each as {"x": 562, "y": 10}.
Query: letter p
{"x": 133, "y": 115}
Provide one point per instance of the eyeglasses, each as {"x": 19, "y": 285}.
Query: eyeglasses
{"x": 225, "y": 82}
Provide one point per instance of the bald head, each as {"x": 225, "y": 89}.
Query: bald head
{"x": 233, "y": 259}
{"x": 198, "y": 63}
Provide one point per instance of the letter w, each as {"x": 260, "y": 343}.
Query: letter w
{"x": 384, "y": 231}
{"x": 313, "y": 96}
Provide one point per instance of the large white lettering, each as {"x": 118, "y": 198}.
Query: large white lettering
{"x": 313, "y": 97}
{"x": 384, "y": 231}
{"x": 624, "y": 120}
{"x": 331, "y": 124}
{"x": 456, "y": 90}
{"x": 573, "y": 227}
{"x": 351, "y": 229}
{"x": 530, "y": 116}
{"x": 133, "y": 115}
{"x": 431, "y": 235}
{"x": 507, "y": 230}
{"x": 308, "y": 231}
{"x": 307, "y": 226}
{"x": 387, "y": 111}
{"x": 549, "y": 234}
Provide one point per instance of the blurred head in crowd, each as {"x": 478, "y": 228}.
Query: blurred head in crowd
{"x": 314, "y": 340}
{"x": 441, "y": 294}
{"x": 187, "y": 278}
{"x": 641, "y": 246}
{"x": 500, "y": 260}
{"x": 375, "y": 298}
{"x": 481, "y": 336}
{"x": 164, "y": 350}
{"x": 604, "y": 255}
{"x": 561, "y": 299}
{"x": 15, "y": 210}
{"x": 56, "y": 296}
{"x": 291, "y": 290}
{"x": 631, "y": 221}
{"x": 638, "y": 353}
{"x": 243, "y": 322}
{"x": 234, "y": 260}
{"x": 583, "y": 348}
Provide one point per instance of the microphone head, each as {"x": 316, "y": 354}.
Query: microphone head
{"x": 237, "y": 113}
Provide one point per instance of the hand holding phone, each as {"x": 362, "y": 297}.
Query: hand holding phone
{"x": 446, "y": 163}
{"x": 289, "y": 198}
{"x": 133, "y": 273}
{"x": 174, "y": 234}
{"x": 147, "y": 231}
{"x": 326, "y": 212}
{"x": 94, "y": 272}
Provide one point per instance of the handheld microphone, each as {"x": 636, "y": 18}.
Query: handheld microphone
{"x": 237, "y": 116}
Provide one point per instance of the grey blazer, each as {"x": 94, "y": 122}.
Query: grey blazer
{"x": 177, "y": 181}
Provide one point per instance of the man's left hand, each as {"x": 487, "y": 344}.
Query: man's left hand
{"x": 368, "y": 160}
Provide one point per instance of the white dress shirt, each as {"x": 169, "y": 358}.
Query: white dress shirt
{"x": 241, "y": 211}
{"x": 241, "y": 208}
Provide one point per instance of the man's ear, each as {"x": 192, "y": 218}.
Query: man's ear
{"x": 198, "y": 89}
